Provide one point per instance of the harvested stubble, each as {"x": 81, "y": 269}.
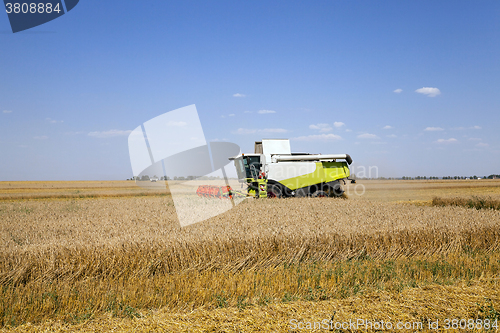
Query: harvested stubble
{"x": 77, "y": 260}
{"x": 412, "y": 306}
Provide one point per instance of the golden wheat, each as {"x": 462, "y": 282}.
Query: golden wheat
{"x": 79, "y": 259}
{"x": 472, "y": 202}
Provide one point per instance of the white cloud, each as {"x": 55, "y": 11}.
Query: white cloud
{"x": 7, "y": 111}
{"x": 367, "y": 136}
{"x": 450, "y": 140}
{"x": 433, "y": 129}
{"x": 52, "y": 121}
{"x": 176, "y": 123}
{"x": 41, "y": 137}
{"x": 465, "y": 128}
{"x": 231, "y": 115}
{"x": 239, "y": 95}
{"x": 75, "y": 133}
{"x": 321, "y": 127}
{"x": 429, "y": 91}
{"x": 266, "y": 111}
{"x": 398, "y": 91}
{"x": 273, "y": 130}
{"x": 388, "y": 127}
{"x": 244, "y": 131}
{"x": 348, "y": 130}
{"x": 319, "y": 137}
{"x": 263, "y": 131}
{"x": 392, "y": 136}
{"x": 338, "y": 124}
{"x": 482, "y": 145}
{"x": 109, "y": 134}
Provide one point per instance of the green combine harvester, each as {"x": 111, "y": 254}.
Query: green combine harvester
{"x": 274, "y": 171}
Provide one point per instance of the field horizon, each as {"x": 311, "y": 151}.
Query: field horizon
{"x": 380, "y": 190}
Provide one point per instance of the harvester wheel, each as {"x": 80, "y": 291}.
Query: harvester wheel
{"x": 273, "y": 191}
{"x": 337, "y": 190}
{"x": 319, "y": 194}
{"x": 334, "y": 190}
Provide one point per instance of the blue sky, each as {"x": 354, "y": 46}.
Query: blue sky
{"x": 333, "y": 76}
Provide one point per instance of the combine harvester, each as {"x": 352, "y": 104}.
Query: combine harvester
{"x": 274, "y": 171}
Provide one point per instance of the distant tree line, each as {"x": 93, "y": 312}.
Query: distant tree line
{"x": 148, "y": 178}
{"x": 450, "y": 177}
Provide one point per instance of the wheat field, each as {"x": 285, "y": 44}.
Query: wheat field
{"x": 122, "y": 262}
